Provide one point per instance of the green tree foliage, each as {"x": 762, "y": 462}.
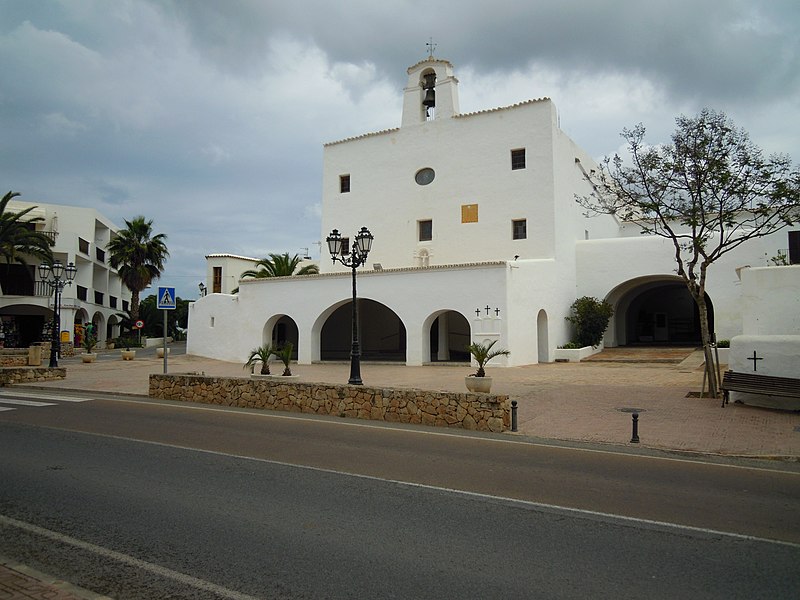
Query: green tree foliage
{"x": 708, "y": 191}
{"x": 590, "y": 318}
{"x": 138, "y": 256}
{"x": 18, "y": 237}
{"x": 154, "y": 318}
{"x": 279, "y": 265}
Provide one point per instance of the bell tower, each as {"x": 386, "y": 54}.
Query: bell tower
{"x": 431, "y": 93}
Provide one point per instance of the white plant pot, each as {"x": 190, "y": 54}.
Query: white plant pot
{"x": 128, "y": 354}
{"x": 478, "y": 384}
{"x": 88, "y": 357}
{"x": 160, "y": 352}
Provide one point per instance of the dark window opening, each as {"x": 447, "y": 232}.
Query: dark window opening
{"x": 83, "y": 246}
{"x": 83, "y": 293}
{"x": 425, "y": 231}
{"x": 518, "y": 159}
{"x": 519, "y": 229}
{"x": 344, "y": 183}
{"x": 217, "y": 281}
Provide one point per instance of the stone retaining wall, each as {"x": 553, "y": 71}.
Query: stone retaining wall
{"x": 483, "y": 412}
{"x": 10, "y": 375}
{"x": 13, "y": 357}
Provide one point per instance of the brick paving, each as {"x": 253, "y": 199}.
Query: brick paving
{"x": 18, "y": 582}
{"x": 584, "y": 402}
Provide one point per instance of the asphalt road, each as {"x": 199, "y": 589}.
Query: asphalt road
{"x": 150, "y": 500}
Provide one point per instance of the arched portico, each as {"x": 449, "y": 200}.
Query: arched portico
{"x": 448, "y": 335}
{"x": 382, "y": 334}
{"x": 280, "y": 330}
{"x": 655, "y": 310}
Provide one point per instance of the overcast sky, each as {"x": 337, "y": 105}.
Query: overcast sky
{"x": 209, "y": 116}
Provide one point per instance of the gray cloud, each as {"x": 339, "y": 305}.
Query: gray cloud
{"x": 209, "y": 117}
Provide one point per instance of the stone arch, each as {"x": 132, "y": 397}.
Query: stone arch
{"x": 279, "y": 330}
{"x": 448, "y": 334}
{"x": 542, "y": 337}
{"x": 99, "y": 325}
{"x": 382, "y": 334}
{"x": 656, "y": 309}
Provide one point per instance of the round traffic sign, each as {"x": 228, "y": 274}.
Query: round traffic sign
{"x": 139, "y": 324}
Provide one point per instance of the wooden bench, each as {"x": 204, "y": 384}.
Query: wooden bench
{"x": 753, "y": 383}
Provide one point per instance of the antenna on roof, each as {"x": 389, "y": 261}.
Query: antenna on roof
{"x": 431, "y": 47}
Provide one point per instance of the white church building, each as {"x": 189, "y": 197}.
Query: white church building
{"x": 477, "y": 236}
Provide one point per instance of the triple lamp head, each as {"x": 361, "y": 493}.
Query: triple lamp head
{"x": 57, "y": 270}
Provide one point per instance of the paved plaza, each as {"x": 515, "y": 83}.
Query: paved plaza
{"x": 590, "y": 401}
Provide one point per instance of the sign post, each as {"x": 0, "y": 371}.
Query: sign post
{"x": 166, "y": 301}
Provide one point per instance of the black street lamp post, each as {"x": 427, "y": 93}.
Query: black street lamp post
{"x": 357, "y": 257}
{"x": 57, "y": 276}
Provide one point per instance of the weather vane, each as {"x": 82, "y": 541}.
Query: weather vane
{"x": 431, "y": 47}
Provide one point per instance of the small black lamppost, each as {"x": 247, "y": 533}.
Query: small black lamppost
{"x": 357, "y": 257}
{"x": 57, "y": 276}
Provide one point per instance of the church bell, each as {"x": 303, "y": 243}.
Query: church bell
{"x": 430, "y": 95}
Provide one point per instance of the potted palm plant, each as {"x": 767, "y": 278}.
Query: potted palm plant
{"x": 482, "y": 353}
{"x": 127, "y": 353}
{"x": 284, "y": 353}
{"x": 261, "y": 355}
{"x": 88, "y": 343}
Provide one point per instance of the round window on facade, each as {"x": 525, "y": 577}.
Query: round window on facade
{"x": 424, "y": 176}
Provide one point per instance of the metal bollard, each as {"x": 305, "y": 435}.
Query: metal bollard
{"x": 513, "y": 415}
{"x": 635, "y": 424}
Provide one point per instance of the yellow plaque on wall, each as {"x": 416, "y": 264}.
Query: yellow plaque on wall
{"x": 469, "y": 213}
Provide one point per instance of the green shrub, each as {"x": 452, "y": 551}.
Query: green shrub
{"x": 571, "y": 346}
{"x": 590, "y": 317}
{"x": 723, "y": 344}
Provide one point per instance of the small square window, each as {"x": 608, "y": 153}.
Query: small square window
{"x": 345, "y": 246}
{"x": 344, "y": 183}
{"x": 519, "y": 229}
{"x": 518, "y": 159}
{"x": 425, "y": 230}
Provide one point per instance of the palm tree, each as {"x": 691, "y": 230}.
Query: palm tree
{"x": 279, "y": 265}
{"x": 138, "y": 256}
{"x": 483, "y": 353}
{"x": 262, "y": 354}
{"x": 17, "y": 236}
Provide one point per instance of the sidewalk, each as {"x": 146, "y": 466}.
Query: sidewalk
{"x": 19, "y": 581}
{"x": 587, "y": 402}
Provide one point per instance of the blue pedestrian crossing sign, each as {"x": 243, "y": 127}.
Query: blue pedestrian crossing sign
{"x": 166, "y": 298}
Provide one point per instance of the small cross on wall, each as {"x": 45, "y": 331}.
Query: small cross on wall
{"x": 755, "y": 358}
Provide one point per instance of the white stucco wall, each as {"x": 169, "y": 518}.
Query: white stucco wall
{"x": 228, "y": 327}
{"x": 767, "y": 308}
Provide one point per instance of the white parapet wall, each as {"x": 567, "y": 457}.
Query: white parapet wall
{"x": 773, "y": 355}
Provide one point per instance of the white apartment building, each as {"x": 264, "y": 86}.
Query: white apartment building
{"x": 97, "y": 295}
{"x": 477, "y": 237}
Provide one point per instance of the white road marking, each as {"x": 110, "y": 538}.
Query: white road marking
{"x": 514, "y": 501}
{"x": 181, "y": 578}
{"x": 268, "y": 414}
{"x": 18, "y": 402}
{"x": 2, "y": 408}
{"x": 41, "y": 397}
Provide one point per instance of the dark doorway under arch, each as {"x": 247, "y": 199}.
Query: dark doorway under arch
{"x": 664, "y": 313}
{"x": 382, "y": 335}
{"x": 453, "y": 347}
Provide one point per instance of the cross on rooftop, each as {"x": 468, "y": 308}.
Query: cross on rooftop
{"x": 431, "y": 47}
